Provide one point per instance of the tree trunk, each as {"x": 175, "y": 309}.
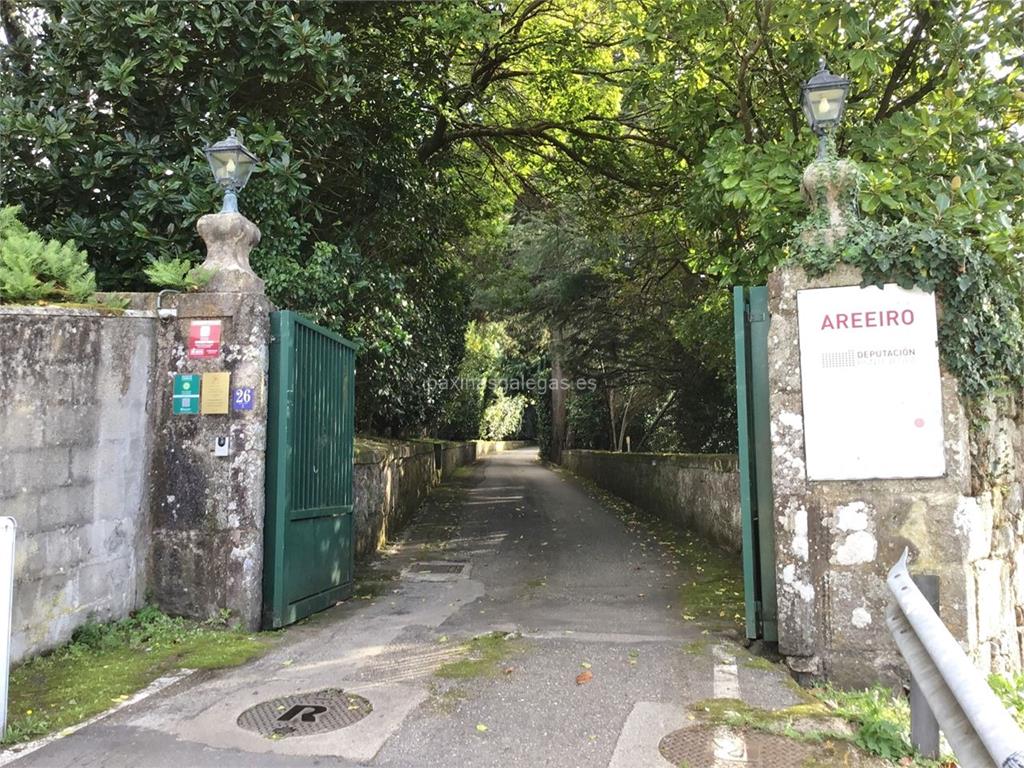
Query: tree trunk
{"x": 625, "y": 421}
{"x": 657, "y": 418}
{"x": 612, "y": 421}
{"x": 558, "y": 408}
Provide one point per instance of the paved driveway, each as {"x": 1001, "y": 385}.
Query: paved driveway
{"x": 553, "y": 585}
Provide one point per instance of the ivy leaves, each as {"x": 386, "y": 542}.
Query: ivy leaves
{"x": 981, "y": 325}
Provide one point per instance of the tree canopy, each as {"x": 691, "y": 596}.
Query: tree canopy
{"x": 594, "y": 171}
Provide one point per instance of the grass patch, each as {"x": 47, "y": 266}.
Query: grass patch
{"x": 106, "y": 663}
{"x": 760, "y": 662}
{"x": 873, "y": 720}
{"x": 716, "y": 589}
{"x": 483, "y": 657}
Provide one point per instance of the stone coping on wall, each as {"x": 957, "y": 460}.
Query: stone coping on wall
{"x": 374, "y": 450}
{"x": 59, "y": 310}
{"x": 717, "y": 462}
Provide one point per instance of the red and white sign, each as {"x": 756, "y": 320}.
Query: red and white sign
{"x": 872, "y": 393}
{"x": 204, "y": 338}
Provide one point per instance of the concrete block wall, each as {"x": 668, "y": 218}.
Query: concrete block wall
{"x": 698, "y": 492}
{"x": 75, "y": 445}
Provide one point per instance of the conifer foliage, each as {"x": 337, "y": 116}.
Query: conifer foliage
{"x": 34, "y": 270}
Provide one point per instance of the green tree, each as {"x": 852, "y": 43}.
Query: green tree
{"x": 598, "y": 172}
{"x": 105, "y": 108}
{"x": 682, "y": 166}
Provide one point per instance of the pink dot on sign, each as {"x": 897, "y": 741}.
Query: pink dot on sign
{"x": 918, "y": 422}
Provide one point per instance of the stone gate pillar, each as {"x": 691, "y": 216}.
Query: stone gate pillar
{"x": 207, "y": 488}
{"x": 837, "y": 538}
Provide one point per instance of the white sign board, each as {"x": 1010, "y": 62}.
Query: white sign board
{"x": 869, "y": 364}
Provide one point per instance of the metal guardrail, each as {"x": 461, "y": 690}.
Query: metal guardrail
{"x": 980, "y": 731}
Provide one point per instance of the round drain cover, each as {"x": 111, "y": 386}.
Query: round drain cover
{"x": 305, "y": 713}
{"x": 717, "y": 747}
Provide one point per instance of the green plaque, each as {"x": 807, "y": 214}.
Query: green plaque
{"x": 186, "y": 393}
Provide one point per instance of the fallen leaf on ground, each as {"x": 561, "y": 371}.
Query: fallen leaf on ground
{"x": 509, "y": 670}
{"x": 584, "y": 677}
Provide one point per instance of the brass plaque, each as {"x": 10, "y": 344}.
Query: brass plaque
{"x": 215, "y": 394}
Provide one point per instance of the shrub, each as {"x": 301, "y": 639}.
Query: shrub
{"x": 180, "y": 274}
{"x": 33, "y": 270}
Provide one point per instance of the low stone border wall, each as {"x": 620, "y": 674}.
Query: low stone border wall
{"x": 392, "y": 478}
{"x": 484, "y": 447}
{"x": 698, "y": 491}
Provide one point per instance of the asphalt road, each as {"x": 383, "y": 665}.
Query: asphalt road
{"x": 548, "y": 563}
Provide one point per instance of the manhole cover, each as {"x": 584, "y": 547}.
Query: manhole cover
{"x": 441, "y": 567}
{"x": 305, "y": 713}
{"x": 718, "y": 747}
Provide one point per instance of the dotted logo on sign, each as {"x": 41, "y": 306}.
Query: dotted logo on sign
{"x": 838, "y": 359}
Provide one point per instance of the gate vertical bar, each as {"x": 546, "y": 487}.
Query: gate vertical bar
{"x": 759, "y": 320}
{"x": 280, "y": 402}
{"x": 751, "y": 588}
{"x": 349, "y": 429}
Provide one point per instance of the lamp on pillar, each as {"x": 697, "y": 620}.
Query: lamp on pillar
{"x": 228, "y": 235}
{"x": 232, "y": 164}
{"x": 829, "y": 183}
{"x": 824, "y": 99}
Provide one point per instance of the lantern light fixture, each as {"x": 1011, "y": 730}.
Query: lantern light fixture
{"x": 824, "y": 99}
{"x": 232, "y": 164}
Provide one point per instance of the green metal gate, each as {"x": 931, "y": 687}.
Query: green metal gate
{"x": 751, "y": 318}
{"x": 308, "y": 554}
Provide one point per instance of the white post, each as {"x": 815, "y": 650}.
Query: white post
{"x": 8, "y": 528}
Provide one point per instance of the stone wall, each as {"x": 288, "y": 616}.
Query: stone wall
{"x": 992, "y": 522}
{"x": 75, "y": 444}
{"x": 836, "y": 540}
{"x": 115, "y": 496}
{"x": 698, "y": 492}
{"x": 392, "y": 479}
{"x": 485, "y": 447}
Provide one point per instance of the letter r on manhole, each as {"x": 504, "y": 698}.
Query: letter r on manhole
{"x": 307, "y": 717}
